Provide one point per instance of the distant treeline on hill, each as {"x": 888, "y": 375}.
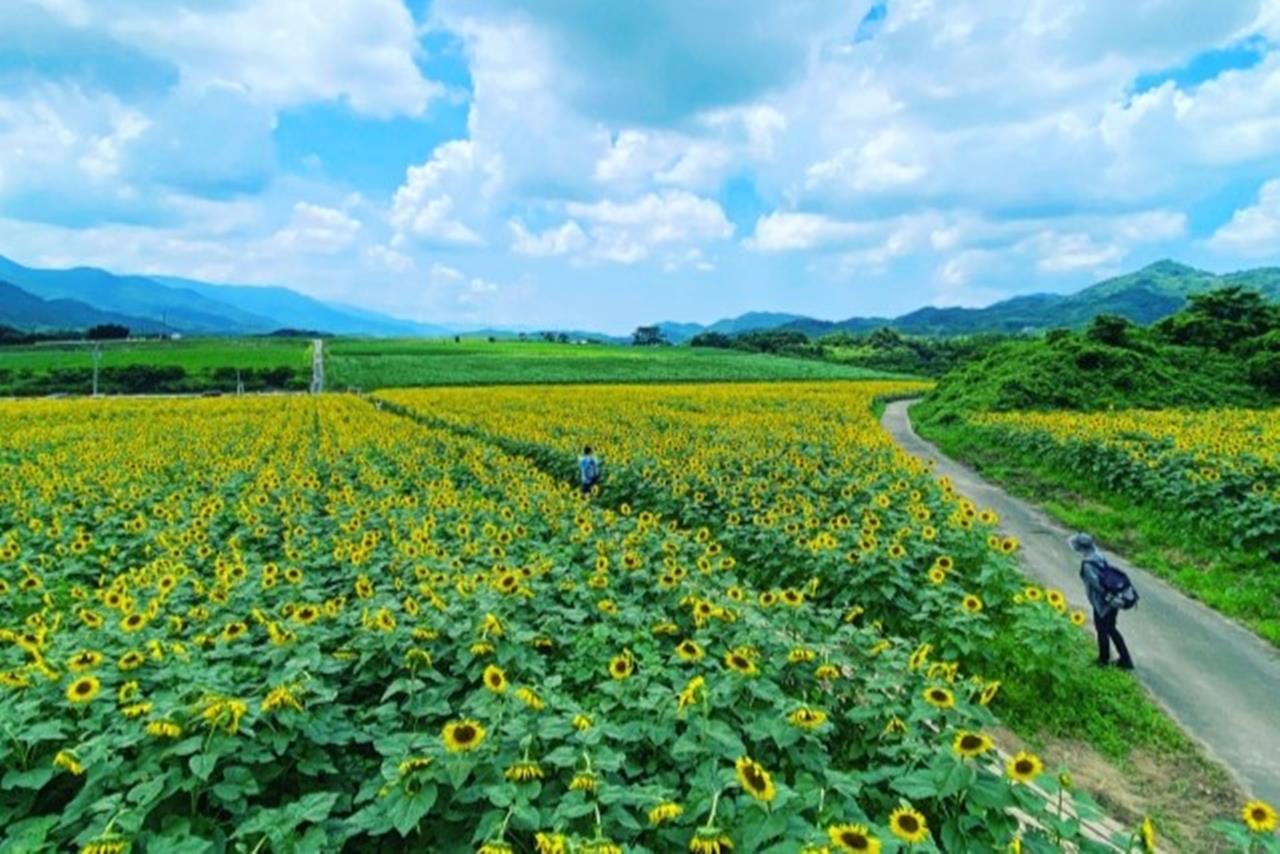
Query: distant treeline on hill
{"x": 880, "y": 350}
{"x": 1223, "y": 349}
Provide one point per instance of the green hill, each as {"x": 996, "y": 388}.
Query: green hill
{"x": 22, "y": 310}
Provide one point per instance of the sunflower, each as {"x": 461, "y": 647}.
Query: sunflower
{"x": 827, "y": 672}
{"x": 525, "y": 772}
{"x": 550, "y": 843}
{"x": 1033, "y": 594}
{"x": 689, "y": 650}
{"x": 581, "y": 723}
{"x": 133, "y": 623}
{"x": 1023, "y": 767}
{"x": 792, "y": 598}
{"x": 621, "y": 666}
{"x": 971, "y": 604}
{"x": 530, "y": 698}
{"x": 709, "y": 840}
{"x": 665, "y": 812}
{"x": 495, "y": 680}
{"x": 461, "y": 736}
{"x": 691, "y": 693}
{"x": 67, "y": 761}
{"x": 853, "y": 838}
{"x": 1147, "y": 833}
{"x": 739, "y": 663}
{"x": 1078, "y": 618}
{"x": 1009, "y": 545}
{"x": 908, "y": 825}
{"x": 584, "y": 782}
{"x": 807, "y": 718}
{"x": 937, "y": 576}
{"x": 163, "y": 729}
{"x": 131, "y": 660}
{"x": 989, "y": 693}
{"x": 970, "y": 744}
{"x": 755, "y": 780}
{"x": 939, "y": 698}
{"x": 84, "y": 660}
{"x": 1259, "y": 817}
{"x": 83, "y": 690}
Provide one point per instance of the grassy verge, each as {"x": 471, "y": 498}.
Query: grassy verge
{"x": 1239, "y": 585}
{"x": 1120, "y": 745}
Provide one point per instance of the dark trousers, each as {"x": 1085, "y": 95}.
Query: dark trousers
{"x": 1107, "y": 634}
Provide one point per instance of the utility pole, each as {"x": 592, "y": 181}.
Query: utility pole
{"x": 317, "y": 366}
{"x": 97, "y": 357}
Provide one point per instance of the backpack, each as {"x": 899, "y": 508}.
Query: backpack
{"x": 1117, "y": 589}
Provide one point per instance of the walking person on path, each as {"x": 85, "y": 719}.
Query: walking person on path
{"x": 1106, "y": 608}
{"x": 588, "y": 470}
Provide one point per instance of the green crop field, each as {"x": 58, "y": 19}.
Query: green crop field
{"x": 385, "y": 364}
{"x": 139, "y": 366}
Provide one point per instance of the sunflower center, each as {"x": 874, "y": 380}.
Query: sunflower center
{"x": 464, "y": 733}
{"x": 970, "y": 742}
{"x": 856, "y": 841}
{"x": 908, "y": 823}
{"x": 83, "y": 688}
{"x": 753, "y": 777}
{"x": 1023, "y": 767}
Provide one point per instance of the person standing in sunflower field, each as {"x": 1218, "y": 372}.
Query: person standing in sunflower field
{"x": 588, "y": 470}
{"x": 1105, "y": 609}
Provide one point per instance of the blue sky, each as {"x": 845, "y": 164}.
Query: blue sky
{"x": 598, "y": 165}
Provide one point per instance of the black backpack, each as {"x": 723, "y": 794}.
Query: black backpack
{"x": 1116, "y": 586}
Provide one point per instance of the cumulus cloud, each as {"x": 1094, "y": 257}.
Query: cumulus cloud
{"x": 565, "y": 239}
{"x": 441, "y": 199}
{"x": 285, "y": 52}
{"x": 628, "y": 232}
{"x": 783, "y": 231}
{"x": 1254, "y": 231}
{"x": 318, "y": 229}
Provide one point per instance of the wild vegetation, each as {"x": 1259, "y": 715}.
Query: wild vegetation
{"x": 1138, "y": 433}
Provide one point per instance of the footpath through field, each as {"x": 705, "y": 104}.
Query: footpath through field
{"x": 1217, "y": 680}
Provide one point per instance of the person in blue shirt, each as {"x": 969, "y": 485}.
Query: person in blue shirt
{"x": 1105, "y": 612}
{"x": 588, "y": 470}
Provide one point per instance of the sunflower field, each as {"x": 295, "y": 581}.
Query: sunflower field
{"x": 1219, "y": 468}
{"x": 305, "y": 624}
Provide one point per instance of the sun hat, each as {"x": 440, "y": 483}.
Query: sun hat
{"x": 1082, "y": 542}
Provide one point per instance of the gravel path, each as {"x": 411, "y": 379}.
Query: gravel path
{"x": 1219, "y": 681}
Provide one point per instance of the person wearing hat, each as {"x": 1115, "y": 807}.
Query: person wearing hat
{"x": 1105, "y": 612}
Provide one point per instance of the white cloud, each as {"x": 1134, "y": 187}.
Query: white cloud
{"x": 388, "y": 258}
{"x": 565, "y": 239}
{"x": 441, "y": 199}
{"x": 783, "y": 231}
{"x": 317, "y": 229}
{"x": 289, "y": 52}
{"x": 1254, "y": 231}
{"x": 628, "y": 232}
{"x": 443, "y": 274}
{"x": 1064, "y": 253}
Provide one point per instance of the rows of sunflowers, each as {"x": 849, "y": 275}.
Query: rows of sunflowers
{"x": 304, "y": 624}
{"x": 1219, "y": 467}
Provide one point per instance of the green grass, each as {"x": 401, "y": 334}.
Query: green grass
{"x": 386, "y": 364}
{"x": 48, "y": 368}
{"x": 195, "y": 355}
{"x": 1238, "y": 584}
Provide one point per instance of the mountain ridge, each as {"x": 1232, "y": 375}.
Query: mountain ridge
{"x": 1144, "y": 296}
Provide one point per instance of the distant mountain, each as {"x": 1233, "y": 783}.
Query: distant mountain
{"x": 750, "y": 322}
{"x": 137, "y": 296}
{"x": 290, "y": 308}
{"x": 1145, "y": 296}
{"x": 202, "y": 308}
{"x": 23, "y": 310}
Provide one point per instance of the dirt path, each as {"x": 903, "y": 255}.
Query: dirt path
{"x": 317, "y": 366}
{"x": 1217, "y": 680}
